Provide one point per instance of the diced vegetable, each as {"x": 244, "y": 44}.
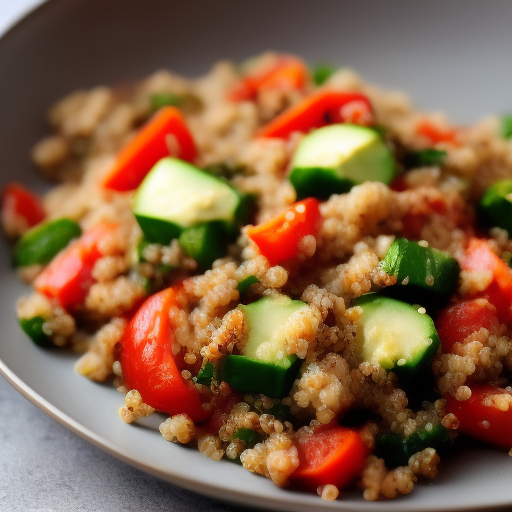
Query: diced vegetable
{"x": 149, "y": 364}
{"x": 396, "y": 449}
{"x": 423, "y": 273}
{"x": 206, "y": 374}
{"x": 244, "y": 284}
{"x": 329, "y": 455}
{"x": 204, "y": 242}
{"x": 175, "y": 195}
{"x": 322, "y": 73}
{"x": 288, "y": 74}
{"x": 165, "y": 134}
{"x": 264, "y": 366}
{"x": 164, "y": 99}
{"x": 278, "y": 239}
{"x": 43, "y": 242}
{"x": 455, "y": 323}
{"x": 479, "y": 417}
{"x": 436, "y": 134}
{"x": 68, "y": 277}
{"x": 248, "y": 436}
{"x": 424, "y": 158}
{"x": 20, "y": 203}
{"x": 480, "y": 257}
{"x": 320, "y": 109}
{"x": 334, "y": 158}
{"x": 496, "y": 206}
{"x": 33, "y": 328}
{"x": 506, "y": 127}
{"x": 397, "y": 336}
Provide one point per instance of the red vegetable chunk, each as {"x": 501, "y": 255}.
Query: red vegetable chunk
{"x": 278, "y": 238}
{"x": 456, "y": 323}
{"x": 68, "y": 277}
{"x": 479, "y": 418}
{"x": 320, "y": 109}
{"x": 20, "y": 205}
{"x": 150, "y": 366}
{"x": 165, "y": 134}
{"x": 329, "y": 455}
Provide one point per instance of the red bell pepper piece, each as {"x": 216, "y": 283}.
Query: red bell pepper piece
{"x": 156, "y": 140}
{"x": 478, "y": 418}
{"x": 329, "y": 455}
{"x": 278, "y": 238}
{"x": 479, "y": 256}
{"x": 19, "y": 202}
{"x": 68, "y": 276}
{"x": 435, "y": 134}
{"x": 288, "y": 74}
{"x": 149, "y": 365}
{"x": 317, "y": 110}
{"x": 455, "y": 323}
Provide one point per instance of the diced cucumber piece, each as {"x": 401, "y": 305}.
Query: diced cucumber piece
{"x": 43, "y": 242}
{"x": 395, "y": 335}
{"x": 205, "y": 243}
{"x": 244, "y": 284}
{"x": 396, "y": 449}
{"x": 264, "y": 366}
{"x": 423, "y": 273}
{"x": 33, "y": 328}
{"x": 206, "y": 374}
{"x": 334, "y": 158}
{"x": 424, "y": 158}
{"x": 175, "y": 195}
{"x": 496, "y": 206}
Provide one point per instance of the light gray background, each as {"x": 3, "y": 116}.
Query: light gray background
{"x": 43, "y": 466}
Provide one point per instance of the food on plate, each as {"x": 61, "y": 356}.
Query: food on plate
{"x": 298, "y": 270}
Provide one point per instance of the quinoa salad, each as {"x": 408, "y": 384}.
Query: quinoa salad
{"x": 306, "y": 275}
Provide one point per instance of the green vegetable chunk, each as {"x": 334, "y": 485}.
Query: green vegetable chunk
{"x": 424, "y": 158}
{"x": 424, "y": 274}
{"x": 175, "y": 196}
{"x": 506, "y": 127}
{"x": 322, "y": 73}
{"x": 244, "y": 284}
{"x": 205, "y": 243}
{"x": 33, "y": 328}
{"x": 397, "y": 336}
{"x": 264, "y": 366}
{"x": 334, "y": 158}
{"x": 43, "y": 242}
{"x": 496, "y": 206}
{"x": 396, "y": 449}
{"x": 206, "y": 374}
{"x": 163, "y": 99}
{"x": 248, "y": 436}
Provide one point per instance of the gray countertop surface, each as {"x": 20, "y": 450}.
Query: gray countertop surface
{"x": 46, "y": 468}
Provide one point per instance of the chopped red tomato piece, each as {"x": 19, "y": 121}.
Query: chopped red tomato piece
{"x": 149, "y": 364}
{"x": 166, "y": 134}
{"x": 486, "y": 416}
{"x": 68, "y": 277}
{"x": 20, "y": 206}
{"x": 435, "y": 134}
{"x": 329, "y": 455}
{"x": 288, "y": 74}
{"x": 455, "y": 323}
{"x": 479, "y": 256}
{"x": 278, "y": 238}
{"x": 320, "y": 109}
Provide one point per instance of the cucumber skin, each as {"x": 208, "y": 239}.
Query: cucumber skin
{"x": 495, "y": 209}
{"x": 318, "y": 182}
{"x": 205, "y": 243}
{"x": 244, "y": 284}
{"x": 421, "y": 364}
{"x": 396, "y": 449}
{"x": 417, "y": 291}
{"x": 43, "y": 242}
{"x": 33, "y": 328}
{"x": 252, "y": 376}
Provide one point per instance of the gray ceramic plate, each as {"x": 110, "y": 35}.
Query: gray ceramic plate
{"x": 450, "y": 56}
